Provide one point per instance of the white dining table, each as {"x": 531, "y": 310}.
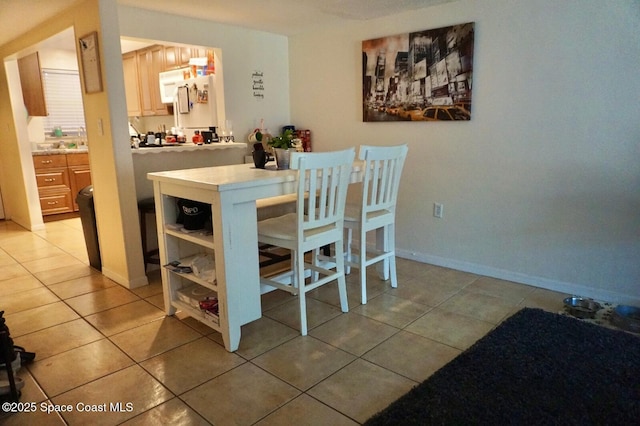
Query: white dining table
{"x": 232, "y": 192}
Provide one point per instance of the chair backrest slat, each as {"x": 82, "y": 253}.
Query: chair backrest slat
{"x": 323, "y": 179}
{"x": 383, "y": 168}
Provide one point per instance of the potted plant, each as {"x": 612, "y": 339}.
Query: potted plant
{"x": 281, "y": 148}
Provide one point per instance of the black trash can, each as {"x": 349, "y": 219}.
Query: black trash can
{"x": 88, "y": 219}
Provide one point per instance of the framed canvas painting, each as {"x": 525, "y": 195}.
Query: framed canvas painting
{"x": 419, "y": 76}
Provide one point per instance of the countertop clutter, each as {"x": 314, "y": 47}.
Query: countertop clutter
{"x": 182, "y": 147}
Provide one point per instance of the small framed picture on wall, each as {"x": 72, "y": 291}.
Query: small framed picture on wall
{"x": 90, "y": 58}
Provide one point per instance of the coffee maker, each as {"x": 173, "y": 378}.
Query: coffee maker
{"x": 210, "y": 136}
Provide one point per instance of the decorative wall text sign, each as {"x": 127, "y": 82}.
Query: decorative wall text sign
{"x": 257, "y": 81}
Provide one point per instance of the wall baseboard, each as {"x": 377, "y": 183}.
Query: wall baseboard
{"x": 130, "y": 284}
{"x": 546, "y": 283}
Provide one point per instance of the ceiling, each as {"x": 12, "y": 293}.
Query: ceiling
{"x": 286, "y": 17}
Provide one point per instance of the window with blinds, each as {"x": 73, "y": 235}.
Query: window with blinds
{"x": 63, "y": 96}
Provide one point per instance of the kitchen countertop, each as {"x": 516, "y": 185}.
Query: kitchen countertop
{"x": 60, "y": 151}
{"x": 187, "y": 147}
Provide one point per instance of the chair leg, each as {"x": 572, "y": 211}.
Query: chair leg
{"x": 382, "y": 244}
{"x": 391, "y": 244}
{"x": 348, "y": 250}
{"x": 302, "y": 293}
{"x": 362, "y": 262}
{"x": 294, "y": 270}
{"x": 315, "y": 275}
{"x": 342, "y": 282}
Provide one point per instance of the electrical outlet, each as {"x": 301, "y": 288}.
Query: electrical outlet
{"x": 438, "y": 210}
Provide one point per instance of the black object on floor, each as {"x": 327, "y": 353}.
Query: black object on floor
{"x": 7, "y": 356}
{"x": 534, "y": 368}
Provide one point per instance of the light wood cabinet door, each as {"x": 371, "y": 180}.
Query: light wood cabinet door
{"x": 31, "y": 82}
{"x": 79, "y": 178}
{"x": 150, "y": 65}
{"x": 185, "y": 55}
{"x": 198, "y": 53}
{"x": 171, "y": 57}
{"x": 178, "y": 57}
{"x": 131, "y": 84}
{"x": 79, "y": 174}
{"x": 146, "y": 103}
{"x": 156, "y": 66}
{"x": 78, "y": 159}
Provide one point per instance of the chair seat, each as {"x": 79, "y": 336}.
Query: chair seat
{"x": 352, "y": 214}
{"x": 285, "y": 228}
{"x": 274, "y": 207}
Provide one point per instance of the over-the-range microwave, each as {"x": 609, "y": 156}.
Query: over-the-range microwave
{"x": 169, "y": 82}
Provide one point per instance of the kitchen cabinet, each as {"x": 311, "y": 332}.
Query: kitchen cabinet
{"x": 79, "y": 174}
{"x": 31, "y": 82}
{"x": 52, "y": 177}
{"x": 150, "y": 65}
{"x": 172, "y": 57}
{"x": 178, "y": 57}
{"x": 142, "y": 69}
{"x": 131, "y": 84}
{"x": 141, "y": 81}
{"x": 59, "y": 178}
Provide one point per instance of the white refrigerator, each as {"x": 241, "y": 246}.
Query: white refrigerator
{"x": 198, "y": 105}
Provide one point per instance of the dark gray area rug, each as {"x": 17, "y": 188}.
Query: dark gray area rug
{"x": 535, "y": 368}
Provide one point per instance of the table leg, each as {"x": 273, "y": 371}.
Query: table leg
{"x": 237, "y": 270}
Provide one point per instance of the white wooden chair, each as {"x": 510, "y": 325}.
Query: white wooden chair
{"x": 376, "y": 211}
{"x": 317, "y": 222}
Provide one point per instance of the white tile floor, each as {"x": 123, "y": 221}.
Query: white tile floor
{"x": 99, "y": 343}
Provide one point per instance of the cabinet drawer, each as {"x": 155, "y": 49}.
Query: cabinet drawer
{"x": 58, "y": 202}
{"x": 78, "y": 159}
{"x": 52, "y": 179}
{"x": 49, "y": 161}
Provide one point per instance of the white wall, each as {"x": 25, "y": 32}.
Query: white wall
{"x": 58, "y": 59}
{"x": 243, "y": 52}
{"x": 542, "y": 186}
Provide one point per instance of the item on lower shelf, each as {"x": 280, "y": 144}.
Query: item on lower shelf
{"x": 203, "y": 267}
{"x": 210, "y": 305}
{"x": 194, "y": 294}
{"x": 179, "y": 267}
{"x": 213, "y": 316}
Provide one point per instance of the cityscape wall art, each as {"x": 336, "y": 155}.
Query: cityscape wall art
{"x": 419, "y": 76}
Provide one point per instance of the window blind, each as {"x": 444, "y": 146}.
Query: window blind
{"x": 63, "y": 97}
